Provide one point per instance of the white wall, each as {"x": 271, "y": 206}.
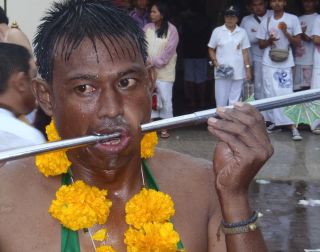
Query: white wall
{"x": 27, "y": 14}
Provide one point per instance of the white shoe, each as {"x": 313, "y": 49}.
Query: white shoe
{"x": 296, "y": 135}
{"x": 316, "y": 131}
{"x": 272, "y": 128}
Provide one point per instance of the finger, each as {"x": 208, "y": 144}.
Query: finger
{"x": 240, "y": 131}
{"x": 247, "y": 118}
{"x": 250, "y": 157}
{"x": 231, "y": 140}
{"x": 254, "y": 120}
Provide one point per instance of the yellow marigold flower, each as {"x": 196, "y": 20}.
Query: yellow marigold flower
{"x": 52, "y": 132}
{"x": 100, "y": 235}
{"x": 149, "y": 206}
{"x": 105, "y": 249}
{"x": 152, "y": 237}
{"x": 80, "y": 206}
{"x": 148, "y": 143}
{"x": 56, "y": 162}
{"x": 53, "y": 163}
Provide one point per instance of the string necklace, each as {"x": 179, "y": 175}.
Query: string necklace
{"x": 89, "y": 229}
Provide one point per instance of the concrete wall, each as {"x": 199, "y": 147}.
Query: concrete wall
{"x": 26, "y": 13}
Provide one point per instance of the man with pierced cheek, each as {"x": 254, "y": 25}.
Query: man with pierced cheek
{"x": 94, "y": 80}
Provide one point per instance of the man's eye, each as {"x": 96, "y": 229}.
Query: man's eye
{"x": 127, "y": 83}
{"x": 85, "y": 89}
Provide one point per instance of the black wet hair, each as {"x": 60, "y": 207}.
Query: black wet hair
{"x": 163, "y": 8}
{"x": 13, "y": 58}
{"x": 3, "y": 17}
{"x": 68, "y": 22}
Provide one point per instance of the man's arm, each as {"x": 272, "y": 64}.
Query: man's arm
{"x": 316, "y": 40}
{"x": 264, "y": 43}
{"x": 243, "y": 149}
{"x": 212, "y": 55}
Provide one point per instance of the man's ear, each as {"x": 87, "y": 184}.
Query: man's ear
{"x": 42, "y": 92}
{"x": 152, "y": 76}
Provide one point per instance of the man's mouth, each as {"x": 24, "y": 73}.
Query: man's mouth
{"x": 114, "y": 145}
{"x": 113, "y": 141}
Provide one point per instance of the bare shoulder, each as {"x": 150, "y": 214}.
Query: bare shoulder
{"x": 190, "y": 183}
{"x": 25, "y": 196}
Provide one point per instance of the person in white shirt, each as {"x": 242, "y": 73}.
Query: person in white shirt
{"x": 316, "y": 61}
{"x": 228, "y": 46}
{"x": 251, "y": 24}
{"x": 16, "y": 97}
{"x": 279, "y": 31}
{"x": 303, "y": 56}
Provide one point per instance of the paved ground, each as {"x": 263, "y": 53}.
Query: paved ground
{"x": 291, "y": 175}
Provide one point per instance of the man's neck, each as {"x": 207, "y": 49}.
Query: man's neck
{"x": 278, "y": 14}
{"x": 231, "y": 28}
{"x": 9, "y": 108}
{"x": 262, "y": 15}
{"x": 123, "y": 182}
{"x": 309, "y": 12}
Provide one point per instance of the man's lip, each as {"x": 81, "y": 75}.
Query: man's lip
{"x": 114, "y": 145}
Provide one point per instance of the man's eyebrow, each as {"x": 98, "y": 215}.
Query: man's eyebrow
{"x": 130, "y": 71}
{"x": 85, "y": 77}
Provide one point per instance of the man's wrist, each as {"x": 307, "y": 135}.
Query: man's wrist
{"x": 235, "y": 207}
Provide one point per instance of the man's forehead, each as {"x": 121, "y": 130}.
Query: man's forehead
{"x": 115, "y": 47}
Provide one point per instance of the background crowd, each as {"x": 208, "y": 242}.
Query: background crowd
{"x": 214, "y": 62}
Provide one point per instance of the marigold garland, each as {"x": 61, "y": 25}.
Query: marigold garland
{"x": 100, "y": 235}
{"x": 149, "y": 206}
{"x": 105, "y": 248}
{"x": 152, "y": 237}
{"x": 53, "y": 163}
{"x": 148, "y": 143}
{"x": 79, "y": 206}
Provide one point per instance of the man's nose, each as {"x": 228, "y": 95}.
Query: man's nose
{"x": 110, "y": 103}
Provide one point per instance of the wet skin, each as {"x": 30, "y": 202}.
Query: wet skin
{"x": 99, "y": 93}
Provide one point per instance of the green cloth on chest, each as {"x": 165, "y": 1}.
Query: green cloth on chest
{"x": 70, "y": 239}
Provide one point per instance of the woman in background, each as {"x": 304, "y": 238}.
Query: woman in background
{"x": 162, "y": 38}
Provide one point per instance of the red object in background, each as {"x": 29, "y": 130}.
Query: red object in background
{"x": 154, "y": 101}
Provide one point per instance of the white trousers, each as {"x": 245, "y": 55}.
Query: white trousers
{"x": 227, "y": 92}
{"x": 164, "y": 89}
{"x": 277, "y": 81}
{"x": 315, "y": 78}
{"x": 258, "y": 80}
{"x": 302, "y": 76}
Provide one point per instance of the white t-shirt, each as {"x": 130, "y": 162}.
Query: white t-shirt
{"x": 251, "y": 25}
{"x": 303, "y": 54}
{"x": 11, "y": 125}
{"x": 229, "y": 46}
{"x": 316, "y": 32}
{"x": 293, "y": 27}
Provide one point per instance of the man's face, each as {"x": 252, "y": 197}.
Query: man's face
{"x": 278, "y": 5}
{"x": 230, "y": 21}
{"x": 103, "y": 95}
{"x": 29, "y": 99}
{"x": 258, "y": 7}
{"x": 142, "y": 4}
{"x": 309, "y": 5}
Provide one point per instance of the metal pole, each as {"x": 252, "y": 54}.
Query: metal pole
{"x": 170, "y": 123}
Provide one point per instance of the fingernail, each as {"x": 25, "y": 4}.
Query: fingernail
{"x": 239, "y": 104}
{"x": 212, "y": 120}
{"x": 221, "y": 109}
